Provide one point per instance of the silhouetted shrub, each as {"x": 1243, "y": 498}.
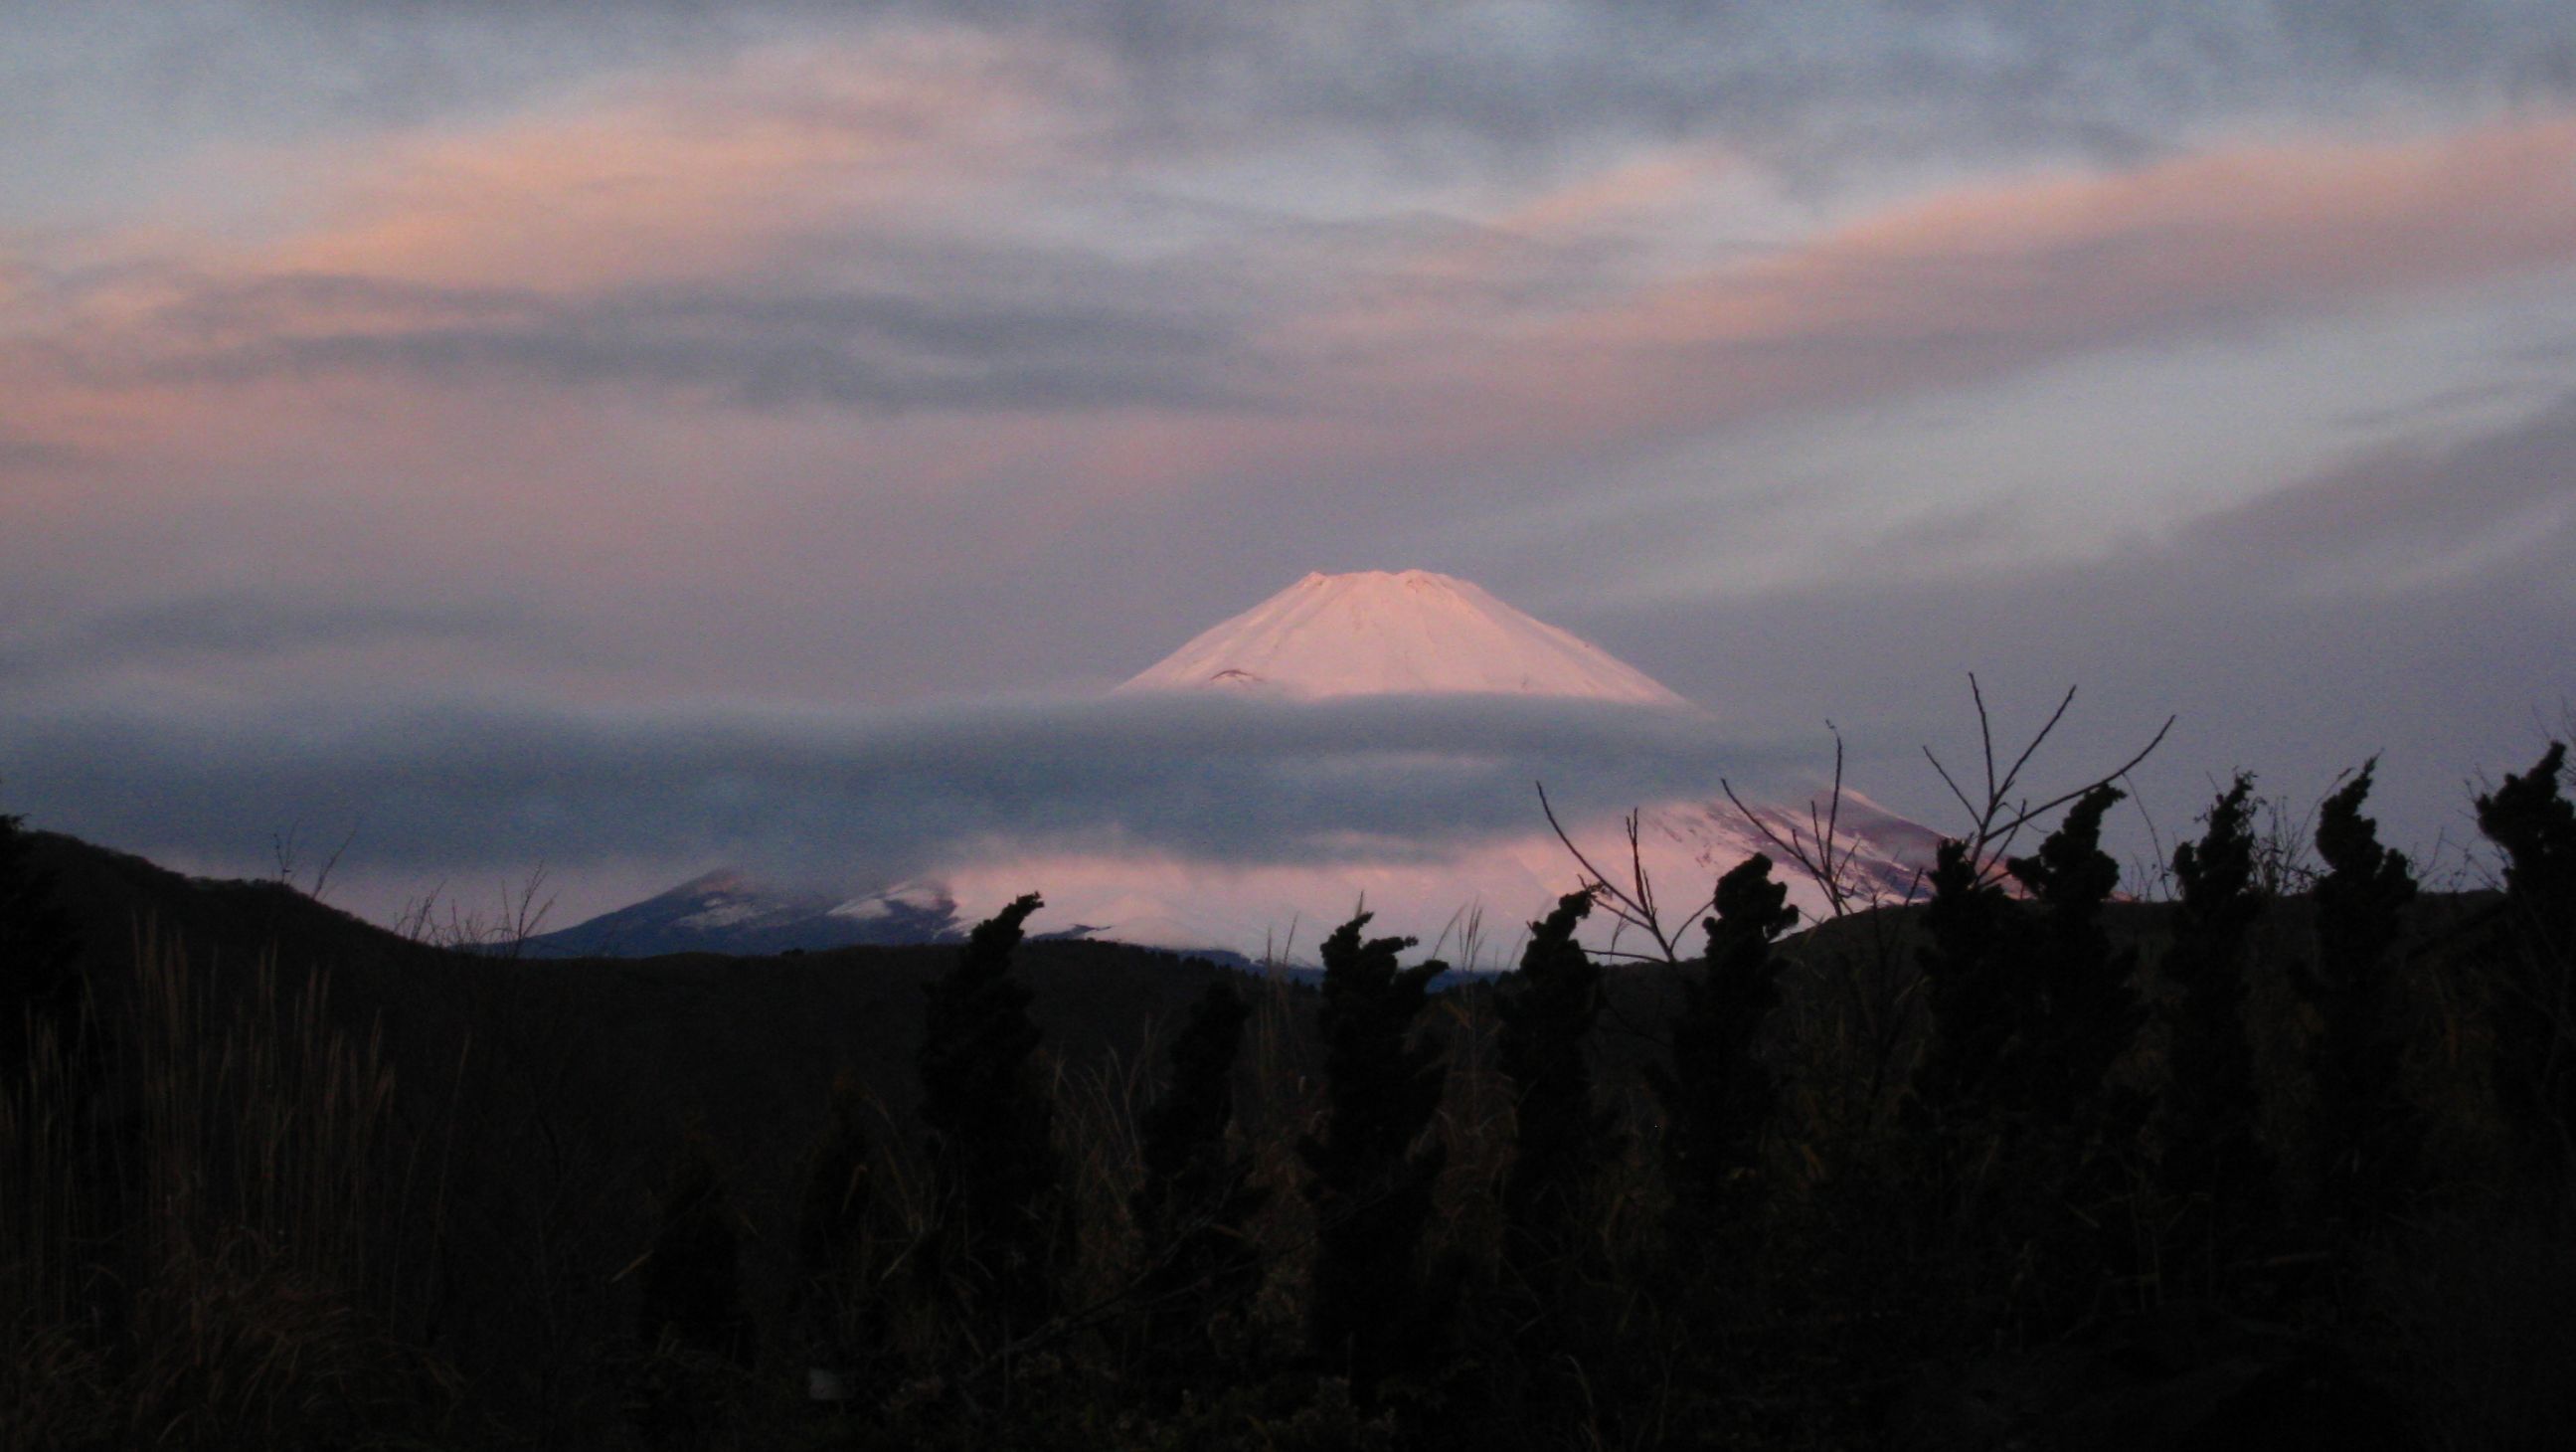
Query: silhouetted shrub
{"x": 1560, "y": 1136}
{"x": 2075, "y": 1214}
{"x": 2530, "y": 817}
{"x": 2365, "y": 1139}
{"x": 2027, "y": 1141}
{"x": 990, "y": 1122}
{"x": 1371, "y": 1168}
{"x": 1717, "y": 1095}
{"x": 2079, "y": 1013}
{"x": 1193, "y": 1209}
{"x": 2210, "y": 1163}
{"x": 1972, "y": 974}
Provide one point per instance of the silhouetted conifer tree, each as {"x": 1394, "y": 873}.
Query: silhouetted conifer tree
{"x": 991, "y": 1150}
{"x": 1372, "y": 1310}
{"x": 2031, "y": 1008}
{"x": 2211, "y": 1164}
{"x": 1974, "y": 976}
{"x": 1560, "y": 1136}
{"x": 2366, "y": 1132}
{"x": 2073, "y": 1212}
{"x": 2530, "y": 817}
{"x": 1717, "y": 1095}
{"x": 2079, "y": 1013}
{"x": 1197, "y": 1197}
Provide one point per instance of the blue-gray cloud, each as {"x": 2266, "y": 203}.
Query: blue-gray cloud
{"x": 2296, "y": 635}
{"x": 2416, "y": 499}
{"x": 445, "y": 788}
{"x": 1839, "y": 83}
{"x": 234, "y": 626}
{"x": 24, "y": 455}
{"x": 749, "y": 343}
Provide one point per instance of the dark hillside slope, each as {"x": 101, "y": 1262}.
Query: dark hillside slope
{"x": 667, "y": 1032}
{"x": 547, "y": 1096}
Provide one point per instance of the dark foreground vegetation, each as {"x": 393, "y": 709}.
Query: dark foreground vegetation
{"x": 2282, "y": 1158}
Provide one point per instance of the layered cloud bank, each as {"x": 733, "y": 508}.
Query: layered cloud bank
{"x": 848, "y": 799}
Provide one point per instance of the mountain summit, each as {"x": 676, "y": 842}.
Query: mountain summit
{"x": 1375, "y": 632}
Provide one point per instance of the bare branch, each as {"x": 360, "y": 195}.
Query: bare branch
{"x": 1985, "y": 735}
{"x": 322, "y": 879}
{"x": 1948, "y": 781}
{"x": 1592, "y": 875}
{"x": 1632, "y": 906}
{"x": 1797, "y": 853}
{"x": 2049, "y": 726}
{"x": 2053, "y": 803}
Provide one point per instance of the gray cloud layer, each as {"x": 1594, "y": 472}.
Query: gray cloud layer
{"x": 235, "y": 626}
{"x": 751, "y": 344}
{"x": 2414, "y": 602}
{"x": 2417, "y": 499}
{"x": 1826, "y": 85}
{"x": 849, "y": 797}
{"x": 1810, "y": 84}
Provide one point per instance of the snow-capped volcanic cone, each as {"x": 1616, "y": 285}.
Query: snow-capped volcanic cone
{"x": 1379, "y": 633}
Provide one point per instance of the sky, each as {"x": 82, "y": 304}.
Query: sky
{"x": 489, "y": 435}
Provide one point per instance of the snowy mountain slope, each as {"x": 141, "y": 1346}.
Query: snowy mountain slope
{"x": 1374, "y": 632}
{"x": 728, "y": 912}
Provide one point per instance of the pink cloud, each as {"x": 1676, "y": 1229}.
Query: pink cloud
{"x": 673, "y": 177}
{"x": 1993, "y": 277}
{"x": 1966, "y": 284}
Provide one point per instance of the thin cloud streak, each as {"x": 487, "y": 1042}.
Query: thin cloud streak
{"x": 2401, "y": 502}
{"x": 1991, "y": 279}
{"x": 237, "y": 626}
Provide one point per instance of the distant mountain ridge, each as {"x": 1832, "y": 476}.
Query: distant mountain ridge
{"x": 725, "y": 911}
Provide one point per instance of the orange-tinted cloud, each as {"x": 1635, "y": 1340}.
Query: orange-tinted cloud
{"x": 677, "y": 176}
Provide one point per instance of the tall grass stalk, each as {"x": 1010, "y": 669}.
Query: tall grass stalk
{"x": 204, "y": 1237}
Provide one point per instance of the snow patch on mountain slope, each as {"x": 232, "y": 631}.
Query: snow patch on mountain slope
{"x": 911, "y": 896}
{"x": 728, "y": 913}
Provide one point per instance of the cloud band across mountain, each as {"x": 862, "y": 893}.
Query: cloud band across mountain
{"x": 838, "y": 795}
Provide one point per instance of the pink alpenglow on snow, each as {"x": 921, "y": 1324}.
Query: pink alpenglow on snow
{"x": 1379, "y": 633}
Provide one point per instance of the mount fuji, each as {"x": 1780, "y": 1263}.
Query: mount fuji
{"x": 1373, "y": 634}
{"x": 1376, "y": 633}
